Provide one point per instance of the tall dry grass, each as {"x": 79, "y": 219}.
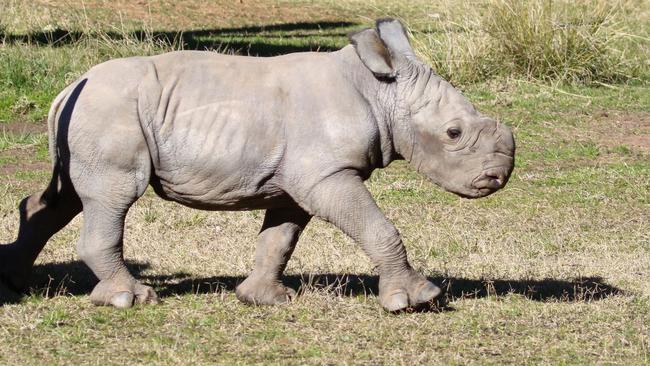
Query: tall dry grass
{"x": 575, "y": 42}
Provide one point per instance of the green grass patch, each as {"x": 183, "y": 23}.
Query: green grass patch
{"x": 10, "y": 140}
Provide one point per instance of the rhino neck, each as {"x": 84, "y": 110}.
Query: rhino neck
{"x": 380, "y": 96}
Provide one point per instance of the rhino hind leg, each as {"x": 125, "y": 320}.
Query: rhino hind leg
{"x": 109, "y": 177}
{"x": 101, "y": 248}
{"x": 275, "y": 244}
{"x": 41, "y": 215}
{"x": 107, "y": 190}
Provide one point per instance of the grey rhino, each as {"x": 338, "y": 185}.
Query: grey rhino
{"x": 295, "y": 135}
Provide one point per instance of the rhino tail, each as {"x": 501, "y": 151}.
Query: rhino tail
{"x": 58, "y": 122}
{"x": 51, "y": 121}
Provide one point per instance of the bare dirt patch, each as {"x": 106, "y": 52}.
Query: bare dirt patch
{"x": 21, "y": 159}
{"x": 612, "y": 129}
{"x": 23, "y": 127}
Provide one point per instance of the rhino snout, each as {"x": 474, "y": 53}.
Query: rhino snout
{"x": 491, "y": 180}
{"x": 501, "y": 160}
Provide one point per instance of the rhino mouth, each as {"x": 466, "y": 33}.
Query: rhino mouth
{"x": 488, "y": 182}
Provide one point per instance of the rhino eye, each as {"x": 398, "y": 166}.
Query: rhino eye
{"x": 453, "y": 133}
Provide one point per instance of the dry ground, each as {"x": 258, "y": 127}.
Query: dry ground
{"x": 553, "y": 269}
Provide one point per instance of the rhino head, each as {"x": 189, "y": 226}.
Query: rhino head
{"x": 434, "y": 127}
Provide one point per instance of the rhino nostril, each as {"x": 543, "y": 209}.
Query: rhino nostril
{"x": 490, "y": 180}
{"x": 498, "y": 179}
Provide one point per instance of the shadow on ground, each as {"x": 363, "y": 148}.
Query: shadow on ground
{"x": 266, "y": 40}
{"x": 74, "y": 278}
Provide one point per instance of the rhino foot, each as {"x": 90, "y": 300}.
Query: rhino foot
{"x": 14, "y": 280}
{"x": 409, "y": 291}
{"x": 122, "y": 294}
{"x": 8, "y": 295}
{"x": 14, "y": 273}
{"x": 264, "y": 292}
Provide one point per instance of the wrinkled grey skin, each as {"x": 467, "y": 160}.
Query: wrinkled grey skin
{"x": 296, "y": 135}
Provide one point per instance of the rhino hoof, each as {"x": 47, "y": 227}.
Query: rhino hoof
{"x": 427, "y": 293}
{"x": 122, "y": 300}
{"x": 408, "y": 296}
{"x": 8, "y": 295}
{"x": 395, "y": 302}
{"x": 14, "y": 281}
{"x": 264, "y": 293}
{"x": 105, "y": 294}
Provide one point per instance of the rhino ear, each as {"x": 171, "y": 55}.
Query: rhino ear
{"x": 373, "y": 53}
{"x": 394, "y": 36}
{"x": 384, "y": 49}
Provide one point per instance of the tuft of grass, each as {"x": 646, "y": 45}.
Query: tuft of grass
{"x": 583, "y": 42}
{"x": 9, "y": 140}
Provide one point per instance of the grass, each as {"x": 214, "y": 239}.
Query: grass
{"x": 583, "y": 42}
{"x": 10, "y": 140}
{"x": 552, "y": 270}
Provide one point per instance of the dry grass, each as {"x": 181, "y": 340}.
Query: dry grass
{"x": 552, "y": 270}
{"x": 581, "y": 42}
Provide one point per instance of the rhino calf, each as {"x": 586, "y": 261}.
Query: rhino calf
{"x": 295, "y": 135}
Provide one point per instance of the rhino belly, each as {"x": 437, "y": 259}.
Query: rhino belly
{"x": 219, "y": 156}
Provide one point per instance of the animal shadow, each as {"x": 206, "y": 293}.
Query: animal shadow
{"x": 264, "y": 40}
{"x": 74, "y": 278}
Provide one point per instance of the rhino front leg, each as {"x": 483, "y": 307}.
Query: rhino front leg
{"x": 275, "y": 244}
{"x": 344, "y": 201}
